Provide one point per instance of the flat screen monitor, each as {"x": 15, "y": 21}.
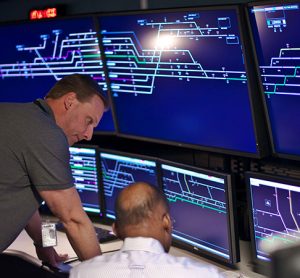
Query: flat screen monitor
{"x": 202, "y": 207}
{"x": 35, "y": 55}
{"x": 84, "y": 166}
{"x": 275, "y": 27}
{"x": 274, "y": 206}
{"x": 179, "y": 76}
{"x": 118, "y": 170}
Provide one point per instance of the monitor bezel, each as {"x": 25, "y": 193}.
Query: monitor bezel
{"x": 262, "y": 149}
{"x": 259, "y": 265}
{"x": 107, "y": 81}
{"x": 105, "y": 219}
{"x": 233, "y": 237}
{"x": 248, "y": 7}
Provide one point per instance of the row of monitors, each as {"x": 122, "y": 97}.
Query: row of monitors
{"x": 199, "y": 200}
{"x": 202, "y": 202}
{"x": 180, "y": 76}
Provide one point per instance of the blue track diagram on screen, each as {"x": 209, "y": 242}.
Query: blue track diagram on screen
{"x": 168, "y": 53}
{"x": 57, "y": 55}
{"x": 279, "y": 49}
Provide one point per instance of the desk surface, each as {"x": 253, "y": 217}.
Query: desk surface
{"x": 24, "y": 243}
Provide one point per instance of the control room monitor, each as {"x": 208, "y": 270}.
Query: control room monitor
{"x": 179, "y": 77}
{"x": 83, "y": 162}
{"x": 274, "y": 205}
{"x": 118, "y": 170}
{"x": 202, "y": 208}
{"x": 35, "y": 55}
{"x": 275, "y": 28}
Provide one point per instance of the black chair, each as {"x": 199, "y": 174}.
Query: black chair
{"x": 285, "y": 263}
{"x": 16, "y": 264}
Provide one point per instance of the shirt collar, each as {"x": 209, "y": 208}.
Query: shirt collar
{"x": 146, "y": 244}
{"x": 42, "y": 104}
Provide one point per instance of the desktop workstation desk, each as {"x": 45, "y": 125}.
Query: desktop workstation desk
{"x": 146, "y": 168}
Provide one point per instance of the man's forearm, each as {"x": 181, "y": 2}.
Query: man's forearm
{"x": 83, "y": 239}
{"x": 66, "y": 205}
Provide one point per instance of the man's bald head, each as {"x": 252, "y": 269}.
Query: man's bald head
{"x": 137, "y": 202}
{"x": 142, "y": 210}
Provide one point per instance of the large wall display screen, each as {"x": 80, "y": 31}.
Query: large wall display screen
{"x": 180, "y": 77}
{"x": 35, "y": 55}
{"x": 275, "y": 28}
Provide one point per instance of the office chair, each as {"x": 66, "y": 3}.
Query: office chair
{"x": 285, "y": 262}
{"x": 16, "y": 264}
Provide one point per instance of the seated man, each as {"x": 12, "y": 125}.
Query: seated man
{"x": 144, "y": 223}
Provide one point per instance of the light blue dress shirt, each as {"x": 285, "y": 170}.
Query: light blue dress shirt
{"x": 142, "y": 257}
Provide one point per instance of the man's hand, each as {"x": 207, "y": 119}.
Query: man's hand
{"x": 49, "y": 255}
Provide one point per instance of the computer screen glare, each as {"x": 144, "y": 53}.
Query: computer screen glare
{"x": 180, "y": 77}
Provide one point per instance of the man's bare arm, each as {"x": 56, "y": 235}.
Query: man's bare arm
{"x": 66, "y": 205}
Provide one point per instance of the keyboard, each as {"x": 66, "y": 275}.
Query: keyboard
{"x": 103, "y": 235}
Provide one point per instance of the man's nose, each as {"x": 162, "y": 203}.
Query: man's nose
{"x": 88, "y": 133}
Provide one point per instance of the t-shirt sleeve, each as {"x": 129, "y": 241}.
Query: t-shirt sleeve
{"x": 47, "y": 161}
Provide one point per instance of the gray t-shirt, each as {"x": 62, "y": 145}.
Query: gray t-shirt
{"x": 34, "y": 156}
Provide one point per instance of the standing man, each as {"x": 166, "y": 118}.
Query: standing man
{"x": 144, "y": 223}
{"x": 34, "y": 165}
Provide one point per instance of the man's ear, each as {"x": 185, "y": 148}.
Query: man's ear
{"x": 167, "y": 223}
{"x": 69, "y": 100}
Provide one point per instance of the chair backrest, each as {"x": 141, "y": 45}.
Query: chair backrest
{"x": 285, "y": 262}
{"x": 14, "y": 263}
